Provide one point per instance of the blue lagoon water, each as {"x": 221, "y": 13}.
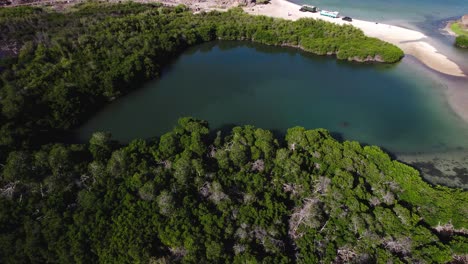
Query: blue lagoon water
{"x": 226, "y": 83}
{"x": 401, "y": 107}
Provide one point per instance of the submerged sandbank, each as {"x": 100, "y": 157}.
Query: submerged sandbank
{"x": 445, "y": 168}
{"x": 410, "y": 41}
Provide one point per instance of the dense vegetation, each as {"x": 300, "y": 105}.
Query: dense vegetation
{"x": 191, "y": 196}
{"x": 462, "y": 34}
{"x": 72, "y": 63}
{"x": 462, "y": 41}
{"x": 459, "y": 29}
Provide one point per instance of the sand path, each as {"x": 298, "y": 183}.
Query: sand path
{"x": 410, "y": 41}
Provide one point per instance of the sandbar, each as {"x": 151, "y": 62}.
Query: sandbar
{"x": 410, "y": 41}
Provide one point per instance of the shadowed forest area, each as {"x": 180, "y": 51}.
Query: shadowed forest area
{"x": 242, "y": 197}
{"x": 194, "y": 195}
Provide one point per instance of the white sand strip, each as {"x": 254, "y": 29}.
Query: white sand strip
{"x": 410, "y": 41}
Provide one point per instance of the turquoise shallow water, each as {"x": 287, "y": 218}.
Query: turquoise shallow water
{"x": 427, "y": 16}
{"x": 398, "y": 106}
{"x": 413, "y": 11}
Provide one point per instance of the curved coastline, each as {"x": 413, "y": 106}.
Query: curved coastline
{"x": 410, "y": 41}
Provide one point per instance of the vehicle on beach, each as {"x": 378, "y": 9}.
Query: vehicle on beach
{"x": 333, "y": 14}
{"x": 308, "y": 8}
{"x": 347, "y": 19}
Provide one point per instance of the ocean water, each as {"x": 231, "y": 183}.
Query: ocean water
{"x": 427, "y": 16}
{"x": 234, "y": 83}
{"x": 412, "y": 11}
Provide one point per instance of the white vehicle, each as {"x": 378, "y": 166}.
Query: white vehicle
{"x": 333, "y": 14}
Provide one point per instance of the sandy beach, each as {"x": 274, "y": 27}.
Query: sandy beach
{"x": 410, "y": 41}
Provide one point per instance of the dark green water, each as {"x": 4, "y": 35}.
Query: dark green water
{"x": 395, "y": 106}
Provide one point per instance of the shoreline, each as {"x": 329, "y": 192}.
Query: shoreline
{"x": 448, "y": 168}
{"x": 410, "y": 41}
{"x": 448, "y": 28}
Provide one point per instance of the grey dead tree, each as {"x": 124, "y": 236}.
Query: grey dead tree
{"x": 204, "y": 190}
{"x": 258, "y": 165}
{"x": 393, "y": 186}
{"x": 374, "y": 201}
{"x": 309, "y": 214}
{"x": 217, "y": 194}
{"x": 241, "y": 232}
{"x": 146, "y": 192}
{"x": 42, "y": 190}
{"x": 294, "y": 189}
{"x": 265, "y": 238}
{"x": 213, "y": 191}
{"x": 292, "y": 146}
{"x": 388, "y": 198}
{"x": 277, "y": 243}
{"x": 459, "y": 259}
{"x": 446, "y": 229}
{"x": 166, "y": 203}
{"x": 167, "y": 164}
{"x": 248, "y": 198}
{"x": 259, "y": 233}
{"x": 87, "y": 181}
{"x": 345, "y": 255}
{"x": 399, "y": 246}
{"x": 8, "y": 190}
{"x": 322, "y": 184}
{"x": 229, "y": 146}
{"x": 449, "y": 229}
{"x": 212, "y": 151}
{"x": 238, "y": 248}
{"x": 178, "y": 252}
{"x": 234, "y": 213}
{"x": 317, "y": 165}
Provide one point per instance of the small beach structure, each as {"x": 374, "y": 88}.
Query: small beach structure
{"x": 308, "y": 8}
{"x": 333, "y": 14}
